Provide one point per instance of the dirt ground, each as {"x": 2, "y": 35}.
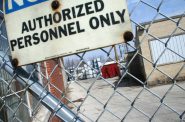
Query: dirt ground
{"x": 94, "y": 95}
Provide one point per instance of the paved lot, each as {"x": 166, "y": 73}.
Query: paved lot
{"x": 118, "y": 106}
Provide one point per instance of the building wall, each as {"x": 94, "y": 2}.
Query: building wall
{"x": 56, "y": 86}
{"x": 160, "y": 29}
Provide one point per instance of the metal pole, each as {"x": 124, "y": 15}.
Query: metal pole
{"x": 116, "y": 54}
{"x": 47, "y": 99}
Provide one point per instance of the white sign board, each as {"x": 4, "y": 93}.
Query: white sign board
{"x": 38, "y": 32}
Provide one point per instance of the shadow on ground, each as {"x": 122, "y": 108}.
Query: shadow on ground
{"x": 127, "y": 82}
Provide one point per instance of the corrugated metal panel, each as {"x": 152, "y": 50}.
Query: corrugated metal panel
{"x": 175, "y": 51}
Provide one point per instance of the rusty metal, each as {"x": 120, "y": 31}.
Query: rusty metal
{"x": 55, "y": 4}
{"x": 128, "y": 36}
{"x": 15, "y": 62}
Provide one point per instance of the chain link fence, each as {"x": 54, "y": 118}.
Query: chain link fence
{"x": 141, "y": 80}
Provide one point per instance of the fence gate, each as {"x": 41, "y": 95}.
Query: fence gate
{"x": 144, "y": 77}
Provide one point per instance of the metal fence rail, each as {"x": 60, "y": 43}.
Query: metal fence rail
{"x": 37, "y": 89}
{"x": 81, "y": 88}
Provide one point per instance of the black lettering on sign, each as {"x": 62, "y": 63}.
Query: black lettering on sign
{"x": 44, "y": 36}
{"x": 27, "y": 40}
{"x": 79, "y": 30}
{"x": 39, "y": 19}
{"x": 99, "y": 5}
{"x": 57, "y": 17}
{"x": 68, "y": 28}
{"x": 121, "y": 15}
{"x": 113, "y": 19}
{"x": 108, "y": 19}
{"x": 62, "y": 30}
{"x": 32, "y": 27}
{"x": 48, "y": 20}
{"x": 94, "y": 22}
{"x": 53, "y": 33}
{"x": 73, "y": 12}
{"x": 71, "y": 28}
{"x": 105, "y": 20}
{"x": 66, "y": 14}
{"x": 13, "y": 43}
{"x": 20, "y": 46}
{"x": 88, "y": 8}
{"x": 80, "y": 8}
{"x": 24, "y": 27}
{"x": 36, "y": 38}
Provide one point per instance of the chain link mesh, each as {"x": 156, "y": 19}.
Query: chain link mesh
{"x": 81, "y": 87}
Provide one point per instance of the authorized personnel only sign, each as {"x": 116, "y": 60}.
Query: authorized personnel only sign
{"x": 43, "y": 29}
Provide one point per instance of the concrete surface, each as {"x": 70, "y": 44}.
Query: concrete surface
{"x": 42, "y": 115}
{"x": 119, "y": 106}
